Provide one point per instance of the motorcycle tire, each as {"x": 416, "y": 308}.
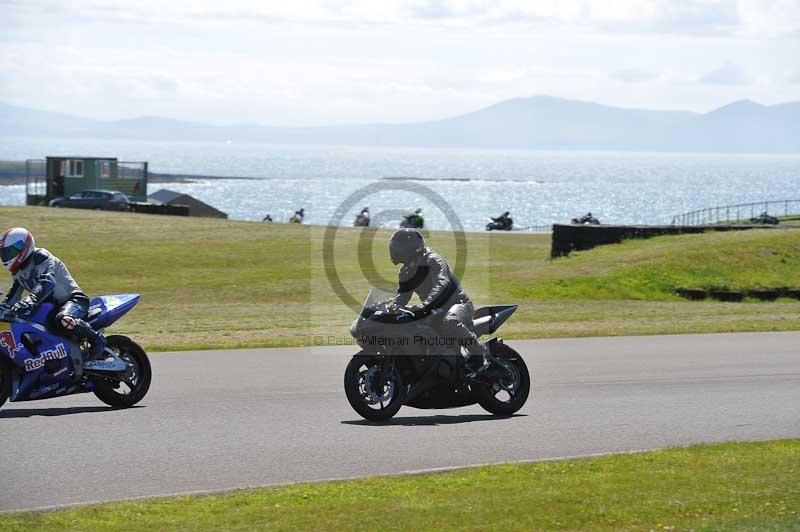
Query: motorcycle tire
{"x": 352, "y": 388}
{"x": 487, "y": 396}
{"x": 106, "y": 389}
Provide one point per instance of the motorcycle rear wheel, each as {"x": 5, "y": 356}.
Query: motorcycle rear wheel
{"x": 114, "y": 393}
{"x": 517, "y": 388}
{"x": 356, "y": 387}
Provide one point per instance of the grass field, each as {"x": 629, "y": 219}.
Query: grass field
{"x": 212, "y": 283}
{"x": 732, "y": 486}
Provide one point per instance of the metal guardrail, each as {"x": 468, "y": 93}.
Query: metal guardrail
{"x": 737, "y": 213}
{"x": 538, "y": 228}
{"x": 35, "y": 177}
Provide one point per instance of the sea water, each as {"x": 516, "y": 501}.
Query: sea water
{"x": 451, "y": 186}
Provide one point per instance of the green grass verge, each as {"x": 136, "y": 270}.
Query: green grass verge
{"x": 732, "y": 486}
{"x": 212, "y": 283}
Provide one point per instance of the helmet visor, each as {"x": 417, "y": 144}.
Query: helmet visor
{"x": 10, "y": 251}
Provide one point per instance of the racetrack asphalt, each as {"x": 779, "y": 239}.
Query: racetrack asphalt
{"x": 217, "y": 420}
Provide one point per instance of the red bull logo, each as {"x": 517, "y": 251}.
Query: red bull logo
{"x": 57, "y": 353}
{"x": 8, "y": 343}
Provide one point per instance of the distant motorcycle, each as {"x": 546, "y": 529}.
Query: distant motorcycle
{"x": 413, "y": 220}
{"x": 586, "y": 220}
{"x": 500, "y": 224}
{"x": 765, "y": 219}
{"x": 36, "y": 363}
{"x": 408, "y": 363}
{"x": 362, "y": 219}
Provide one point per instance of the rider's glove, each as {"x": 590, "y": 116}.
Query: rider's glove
{"x": 405, "y": 313}
{"x": 24, "y": 306}
{"x": 421, "y": 311}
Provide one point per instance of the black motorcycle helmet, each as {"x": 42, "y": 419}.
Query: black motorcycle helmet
{"x": 406, "y": 245}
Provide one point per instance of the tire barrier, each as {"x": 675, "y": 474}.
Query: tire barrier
{"x": 573, "y": 237}
{"x": 762, "y": 294}
{"x": 169, "y": 210}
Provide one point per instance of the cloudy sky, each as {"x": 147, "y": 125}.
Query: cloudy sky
{"x": 321, "y": 62}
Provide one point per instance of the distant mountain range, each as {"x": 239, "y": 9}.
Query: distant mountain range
{"x": 539, "y": 122}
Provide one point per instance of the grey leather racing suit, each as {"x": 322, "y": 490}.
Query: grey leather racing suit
{"x": 47, "y": 280}
{"x": 441, "y": 296}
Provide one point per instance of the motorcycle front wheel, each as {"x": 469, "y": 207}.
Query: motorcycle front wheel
{"x": 371, "y": 399}
{"x": 125, "y": 394}
{"x": 506, "y": 395}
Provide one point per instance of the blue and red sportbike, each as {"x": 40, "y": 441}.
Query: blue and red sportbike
{"x": 36, "y": 363}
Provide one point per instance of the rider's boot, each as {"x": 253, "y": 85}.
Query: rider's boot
{"x": 85, "y": 332}
{"x": 97, "y": 343}
{"x": 477, "y": 361}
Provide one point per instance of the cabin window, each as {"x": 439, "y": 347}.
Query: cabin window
{"x": 73, "y": 167}
{"x": 105, "y": 169}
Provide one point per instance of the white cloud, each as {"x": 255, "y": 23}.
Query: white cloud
{"x": 633, "y": 75}
{"x": 769, "y": 17}
{"x": 697, "y": 17}
{"x": 316, "y": 62}
{"x": 727, "y": 74}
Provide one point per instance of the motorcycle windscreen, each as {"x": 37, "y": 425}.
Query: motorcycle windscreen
{"x": 375, "y": 297}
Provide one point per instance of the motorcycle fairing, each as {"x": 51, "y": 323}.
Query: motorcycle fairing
{"x": 488, "y": 319}
{"x": 105, "y": 310}
{"x": 444, "y": 397}
{"x": 41, "y": 361}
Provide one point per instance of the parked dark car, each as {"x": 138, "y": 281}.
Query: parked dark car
{"x": 105, "y": 200}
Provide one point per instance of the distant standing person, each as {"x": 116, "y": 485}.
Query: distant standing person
{"x": 297, "y": 217}
{"x": 267, "y": 218}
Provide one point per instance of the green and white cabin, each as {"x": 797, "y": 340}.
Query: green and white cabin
{"x": 54, "y": 177}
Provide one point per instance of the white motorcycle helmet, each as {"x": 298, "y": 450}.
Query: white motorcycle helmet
{"x": 16, "y": 245}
